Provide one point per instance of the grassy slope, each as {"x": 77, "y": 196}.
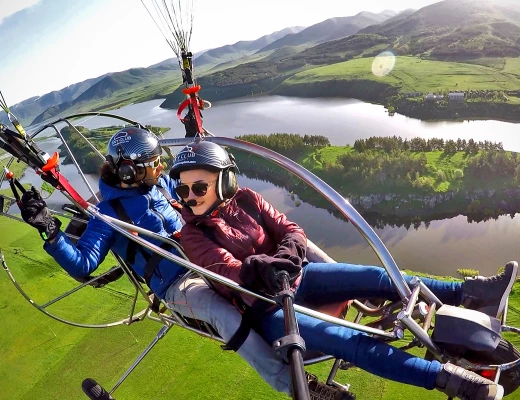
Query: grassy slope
{"x": 415, "y": 74}
{"x": 161, "y": 85}
{"x": 44, "y": 359}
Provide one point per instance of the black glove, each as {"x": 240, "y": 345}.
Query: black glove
{"x": 262, "y": 272}
{"x": 36, "y": 213}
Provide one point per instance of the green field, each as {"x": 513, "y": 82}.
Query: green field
{"x": 44, "y": 359}
{"x": 412, "y": 74}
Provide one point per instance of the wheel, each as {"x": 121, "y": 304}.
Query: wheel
{"x": 504, "y": 353}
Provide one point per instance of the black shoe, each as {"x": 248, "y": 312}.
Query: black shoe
{"x": 321, "y": 391}
{"x": 489, "y": 295}
{"x": 466, "y": 385}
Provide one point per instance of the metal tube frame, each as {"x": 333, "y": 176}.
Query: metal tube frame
{"x": 83, "y": 177}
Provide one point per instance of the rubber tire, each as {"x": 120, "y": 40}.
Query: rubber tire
{"x": 504, "y": 353}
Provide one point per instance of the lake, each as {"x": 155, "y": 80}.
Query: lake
{"x": 341, "y": 120}
{"x": 440, "y": 248}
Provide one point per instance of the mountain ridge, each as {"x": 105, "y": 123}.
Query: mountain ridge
{"x": 108, "y": 84}
{"x": 329, "y": 29}
{"x": 449, "y": 30}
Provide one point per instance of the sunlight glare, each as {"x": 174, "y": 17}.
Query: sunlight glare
{"x": 383, "y": 64}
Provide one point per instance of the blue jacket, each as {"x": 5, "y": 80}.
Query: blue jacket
{"x": 149, "y": 210}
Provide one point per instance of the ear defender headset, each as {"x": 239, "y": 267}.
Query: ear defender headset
{"x": 227, "y": 184}
{"x": 227, "y": 180}
{"x": 126, "y": 170}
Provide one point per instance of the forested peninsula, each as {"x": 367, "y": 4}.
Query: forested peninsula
{"x": 390, "y": 176}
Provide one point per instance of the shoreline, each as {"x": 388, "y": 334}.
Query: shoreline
{"x": 366, "y": 91}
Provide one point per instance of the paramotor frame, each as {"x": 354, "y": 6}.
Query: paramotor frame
{"x": 404, "y": 312}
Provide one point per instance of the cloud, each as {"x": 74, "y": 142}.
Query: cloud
{"x": 11, "y": 7}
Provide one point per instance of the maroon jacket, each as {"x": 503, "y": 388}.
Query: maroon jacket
{"x": 234, "y": 235}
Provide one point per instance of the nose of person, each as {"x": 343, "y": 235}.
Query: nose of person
{"x": 191, "y": 196}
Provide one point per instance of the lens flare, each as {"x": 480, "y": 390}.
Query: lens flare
{"x": 383, "y": 64}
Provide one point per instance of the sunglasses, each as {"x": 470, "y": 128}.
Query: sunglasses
{"x": 199, "y": 189}
{"x": 153, "y": 164}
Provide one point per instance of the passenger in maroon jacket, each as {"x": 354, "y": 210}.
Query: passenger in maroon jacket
{"x": 236, "y": 233}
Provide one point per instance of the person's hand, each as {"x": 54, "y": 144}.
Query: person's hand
{"x": 35, "y": 212}
{"x": 263, "y": 272}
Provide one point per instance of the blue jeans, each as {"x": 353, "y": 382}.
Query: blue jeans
{"x": 329, "y": 283}
{"x": 191, "y": 297}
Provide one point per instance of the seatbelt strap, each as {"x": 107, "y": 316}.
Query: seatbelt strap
{"x": 151, "y": 260}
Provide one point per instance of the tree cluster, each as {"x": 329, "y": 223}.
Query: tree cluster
{"x": 316, "y": 140}
{"x": 492, "y": 164}
{"x": 89, "y": 161}
{"x": 398, "y": 166}
{"x": 395, "y": 143}
{"x": 288, "y": 144}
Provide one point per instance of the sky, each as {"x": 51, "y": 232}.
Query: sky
{"x": 46, "y": 45}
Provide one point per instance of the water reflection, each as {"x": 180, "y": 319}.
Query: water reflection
{"x": 441, "y": 248}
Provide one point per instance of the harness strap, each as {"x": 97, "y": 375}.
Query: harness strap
{"x": 174, "y": 203}
{"x": 152, "y": 262}
{"x": 251, "y": 317}
{"x": 156, "y": 302}
{"x": 131, "y": 249}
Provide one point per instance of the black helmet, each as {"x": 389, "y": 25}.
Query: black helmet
{"x": 197, "y": 155}
{"x": 129, "y": 147}
{"x": 133, "y": 144}
{"x": 208, "y": 155}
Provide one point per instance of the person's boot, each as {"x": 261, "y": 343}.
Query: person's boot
{"x": 321, "y": 391}
{"x": 467, "y": 385}
{"x": 489, "y": 295}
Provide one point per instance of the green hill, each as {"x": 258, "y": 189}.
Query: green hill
{"x": 452, "y": 30}
{"x": 28, "y": 109}
{"x": 457, "y": 29}
{"x": 412, "y": 74}
{"x": 242, "y": 49}
{"x": 119, "y": 89}
{"x": 483, "y": 32}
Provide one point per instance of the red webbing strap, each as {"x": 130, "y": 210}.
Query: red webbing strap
{"x": 195, "y": 106}
{"x": 63, "y": 184}
{"x": 183, "y": 105}
{"x": 192, "y": 93}
{"x": 196, "y": 111}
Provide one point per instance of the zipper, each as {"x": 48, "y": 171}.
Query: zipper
{"x": 161, "y": 217}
